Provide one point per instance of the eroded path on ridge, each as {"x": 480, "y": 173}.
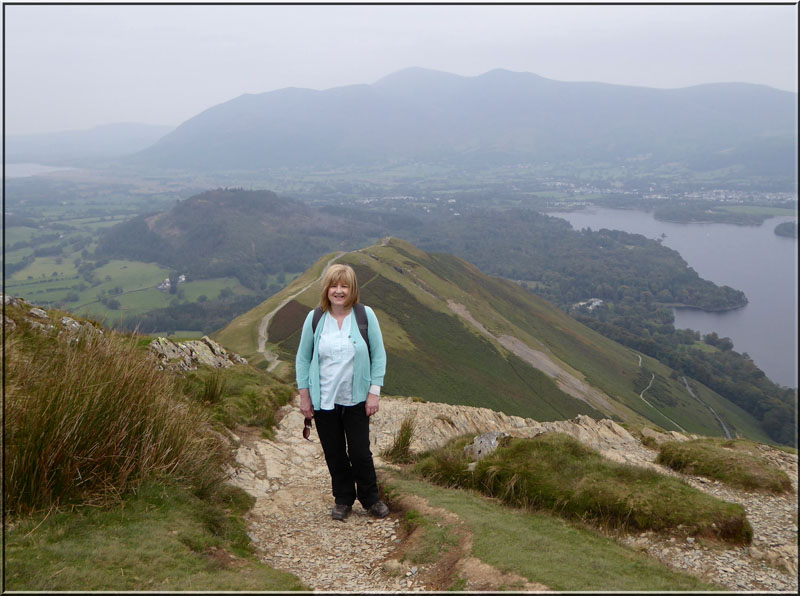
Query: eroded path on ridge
{"x": 271, "y": 357}
{"x": 566, "y": 381}
{"x": 291, "y": 527}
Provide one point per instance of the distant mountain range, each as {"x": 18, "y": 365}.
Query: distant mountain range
{"x": 498, "y": 118}
{"x": 79, "y": 147}
{"x": 458, "y": 336}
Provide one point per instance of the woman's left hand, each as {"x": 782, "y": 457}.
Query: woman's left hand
{"x": 372, "y": 404}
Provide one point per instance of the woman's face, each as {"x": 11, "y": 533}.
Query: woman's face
{"x": 338, "y": 293}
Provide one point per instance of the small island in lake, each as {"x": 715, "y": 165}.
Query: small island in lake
{"x": 787, "y": 228}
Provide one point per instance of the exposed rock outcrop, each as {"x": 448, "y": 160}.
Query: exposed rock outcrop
{"x": 185, "y": 356}
{"x": 39, "y": 319}
{"x": 484, "y": 444}
{"x": 180, "y": 356}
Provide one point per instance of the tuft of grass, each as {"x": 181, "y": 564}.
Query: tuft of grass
{"x": 734, "y": 462}
{"x": 649, "y": 442}
{"x": 400, "y": 450}
{"x": 555, "y": 472}
{"x": 91, "y": 418}
{"x": 214, "y": 387}
{"x": 246, "y": 396}
{"x": 448, "y": 464}
{"x": 252, "y": 407}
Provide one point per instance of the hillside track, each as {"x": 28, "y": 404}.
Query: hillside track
{"x": 641, "y": 396}
{"x": 272, "y": 357}
{"x": 565, "y": 381}
{"x": 713, "y": 412}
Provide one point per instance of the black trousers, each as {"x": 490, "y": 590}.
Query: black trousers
{"x": 344, "y": 435}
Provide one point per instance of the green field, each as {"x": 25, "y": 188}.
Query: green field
{"x": 18, "y": 234}
{"x": 143, "y": 299}
{"x": 55, "y": 280}
{"x": 15, "y": 256}
{"x": 42, "y": 267}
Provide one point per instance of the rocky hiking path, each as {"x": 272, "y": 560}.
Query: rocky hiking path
{"x": 291, "y": 527}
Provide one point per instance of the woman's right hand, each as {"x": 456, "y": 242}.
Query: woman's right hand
{"x": 305, "y": 404}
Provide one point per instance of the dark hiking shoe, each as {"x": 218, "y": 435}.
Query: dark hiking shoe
{"x": 340, "y": 511}
{"x": 379, "y": 509}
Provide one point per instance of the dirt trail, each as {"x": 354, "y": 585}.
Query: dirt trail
{"x": 292, "y": 530}
{"x": 271, "y": 357}
{"x": 641, "y": 396}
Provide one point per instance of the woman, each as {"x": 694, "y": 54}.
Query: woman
{"x": 340, "y": 376}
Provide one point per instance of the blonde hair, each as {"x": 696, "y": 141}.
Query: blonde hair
{"x": 335, "y": 274}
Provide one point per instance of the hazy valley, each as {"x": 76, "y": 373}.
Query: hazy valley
{"x": 436, "y": 188}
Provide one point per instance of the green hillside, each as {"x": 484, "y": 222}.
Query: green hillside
{"x": 232, "y": 232}
{"x": 458, "y": 336}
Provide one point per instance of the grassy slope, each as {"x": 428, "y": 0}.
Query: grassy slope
{"x": 548, "y": 550}
{"x": 437, "y": 356}
{"x": 161, "y": 539}
{"x": 432, "y": 354}
{"x": 182, "y": 527}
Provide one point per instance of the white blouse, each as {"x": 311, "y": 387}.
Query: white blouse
{"x": 336, "y": 357}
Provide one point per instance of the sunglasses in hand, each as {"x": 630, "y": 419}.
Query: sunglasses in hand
{"x": 306, "y": 428}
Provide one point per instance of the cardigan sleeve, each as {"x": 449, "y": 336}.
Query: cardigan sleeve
{"x": 302, "y": 361}
{"x": 377, "y": 351}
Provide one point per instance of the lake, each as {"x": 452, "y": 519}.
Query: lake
{"x": 749, "y": 258}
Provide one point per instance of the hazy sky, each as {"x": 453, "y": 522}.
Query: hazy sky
{"x": 73, "y": 67}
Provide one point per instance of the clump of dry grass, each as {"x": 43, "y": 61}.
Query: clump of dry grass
{"x": 214, "y": 387}
{"x": 400, "y": 450}
{"x": 91, "y": 418}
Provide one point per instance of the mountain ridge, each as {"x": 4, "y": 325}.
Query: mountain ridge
{"x": 500, "y": 116}
{"x": 456, "y": 335}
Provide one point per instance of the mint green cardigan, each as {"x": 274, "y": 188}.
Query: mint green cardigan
{"x": 366, "y": 371}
